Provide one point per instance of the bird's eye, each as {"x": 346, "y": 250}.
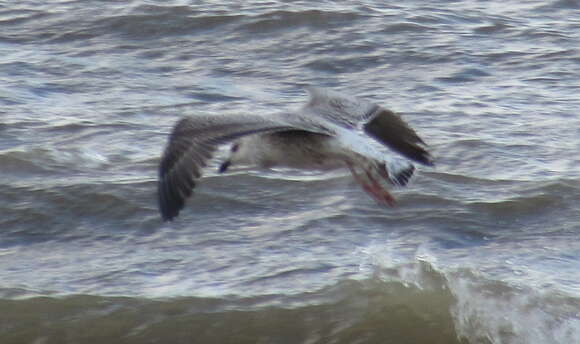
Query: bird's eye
{"x": 235, "y": 147}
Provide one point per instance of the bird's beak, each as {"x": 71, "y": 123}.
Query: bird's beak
{"x": 224, "y": 166}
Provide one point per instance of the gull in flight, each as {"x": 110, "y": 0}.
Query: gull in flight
{"x": 331, "y": 131}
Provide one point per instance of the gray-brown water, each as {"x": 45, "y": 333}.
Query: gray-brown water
{"x": 482, "y": 249}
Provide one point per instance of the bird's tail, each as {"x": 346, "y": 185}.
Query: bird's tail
{"x": 398, "y": 172}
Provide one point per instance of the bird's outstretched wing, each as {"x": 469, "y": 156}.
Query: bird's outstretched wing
{"x": 389, "y": 129}
{"x": 192, "y": 143}
{"x": 381, "y": 124}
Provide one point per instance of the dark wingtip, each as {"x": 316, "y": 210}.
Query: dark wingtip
{"x": 416, "y": 153}
{"x": 426, "y": 159}
{"x": 224, "y": 166}
{"x": 169, "y": 211}
{"x": 172, "y": 194}
{"x": 168, "y": 217}
{"x": 389, "y": 129}
{"x": 169, "y": 205}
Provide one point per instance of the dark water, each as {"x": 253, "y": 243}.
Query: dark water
{"x": 482, "y": 249}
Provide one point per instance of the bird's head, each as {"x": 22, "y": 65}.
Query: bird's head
{"x": 234, "y": 149}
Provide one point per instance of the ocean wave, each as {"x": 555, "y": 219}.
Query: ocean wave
{"x": 282, "y": 19}
{"x": 483, "y": 309}
{"x": 39, "y": 160}
{"x": 150, "y": 21}
{"x": 483, "y": 247}
{"x": 408, "y": 303}
{"x": 359, "y": 314}
{"x": 140, "y": 22}
{"x": 60, "y": 210}
{"x": 532, "y": 200}
{"x": 173, "y": 21}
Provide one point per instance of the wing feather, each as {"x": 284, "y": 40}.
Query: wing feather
{"x": 389, "y": 129}
{"x": 381, "y": 124}
{"x": 191, "y": 144}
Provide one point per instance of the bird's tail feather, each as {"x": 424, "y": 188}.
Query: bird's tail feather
{"x": 399, "y": 172}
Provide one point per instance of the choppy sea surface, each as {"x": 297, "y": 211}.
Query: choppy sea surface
{"x": 483, "y": 248}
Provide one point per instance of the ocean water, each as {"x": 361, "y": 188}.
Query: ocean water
{"x": 483, "y": 248}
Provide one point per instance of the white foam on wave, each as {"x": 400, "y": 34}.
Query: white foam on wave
{"x": 505, "y": 313}
{"x": 484, "y": 310}
{"x": 81, "y": 157}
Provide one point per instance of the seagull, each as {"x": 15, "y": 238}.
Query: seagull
{"x": 331, "y": 131}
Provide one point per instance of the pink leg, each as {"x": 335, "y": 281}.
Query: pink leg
{"x": 382, "y": 193}
{"x": 374, "y": 188}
